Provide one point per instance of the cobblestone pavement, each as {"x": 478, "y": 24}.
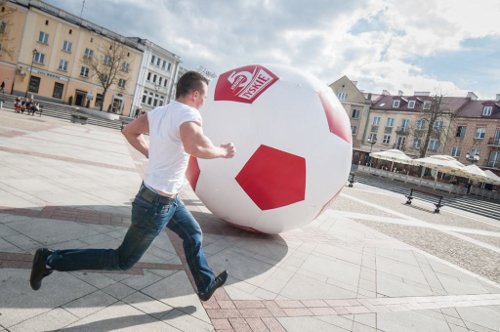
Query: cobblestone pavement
{"x": 370, "y": 263}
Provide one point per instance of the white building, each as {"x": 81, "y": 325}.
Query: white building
{"x": 156, "y": 81}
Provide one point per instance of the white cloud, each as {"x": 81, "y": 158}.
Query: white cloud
{"x": 316, "y": 37}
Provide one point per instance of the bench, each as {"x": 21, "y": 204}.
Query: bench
{"x": 351, "y": 179}
{"x": 78, "y": 118}
{"x": 427, "y": 193}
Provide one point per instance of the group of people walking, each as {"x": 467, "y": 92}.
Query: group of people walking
{"x": 28, "y": 106}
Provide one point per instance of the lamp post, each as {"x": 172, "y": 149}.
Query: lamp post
{"x": 372, "y": 141}
{"x": 34, "y": 52}
{"x": 472, "y": 158}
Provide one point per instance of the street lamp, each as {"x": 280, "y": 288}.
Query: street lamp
{"x": 31, "y": 69}
{"x": 372, "y": 141}
{"x": 472, "y": 158}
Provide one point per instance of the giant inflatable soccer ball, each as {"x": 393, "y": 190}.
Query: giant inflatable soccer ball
{"x": 293, "y": 142}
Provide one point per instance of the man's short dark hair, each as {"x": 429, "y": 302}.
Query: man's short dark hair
{"x": 190, "y": 81}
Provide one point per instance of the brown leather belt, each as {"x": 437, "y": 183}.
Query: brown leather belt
{"x": 151, "y": 196}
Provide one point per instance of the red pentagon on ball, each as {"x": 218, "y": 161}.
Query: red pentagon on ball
{"x": 193, "y": 172}
{"x": 338, "y": 124}
{"x": 273, "y": 178}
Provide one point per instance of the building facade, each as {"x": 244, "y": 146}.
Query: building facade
{"x": 158, "y": 71}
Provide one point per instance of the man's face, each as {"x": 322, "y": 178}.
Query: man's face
{"x": 201, "y": 96}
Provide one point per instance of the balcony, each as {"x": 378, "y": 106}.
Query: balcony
{"x": 388, "y": 130}
{"x": 402, "y": 131}
{"x": 494, "y": 141}
{"x": 374, "y": 129}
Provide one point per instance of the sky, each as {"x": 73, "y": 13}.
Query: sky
{"x": 446, "y": 47}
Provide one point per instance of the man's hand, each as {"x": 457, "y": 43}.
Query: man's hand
{"x": 229, "y": 149}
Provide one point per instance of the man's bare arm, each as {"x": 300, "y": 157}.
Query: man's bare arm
{"x": 134, "y": 131}
{"x": 200, "y": 146}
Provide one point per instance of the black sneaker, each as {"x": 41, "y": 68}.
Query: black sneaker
{"x": 219, "y": 281}
{"x": 39, "y": 269}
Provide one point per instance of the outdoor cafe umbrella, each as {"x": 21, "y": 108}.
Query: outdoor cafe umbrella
{"x": 441, "y": 163}
{"x": 393, "y": 155}
{"x": 492, "y": 177}
{"x": 473, "y": 172}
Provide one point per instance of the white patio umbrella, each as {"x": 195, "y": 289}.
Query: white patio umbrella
{"x": 492, "y": 177}
{"x": 474, "y": 173}
{"x": 393, "y": 155}
{"x": 441, "y": 163}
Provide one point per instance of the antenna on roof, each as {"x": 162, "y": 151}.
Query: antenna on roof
{"x": 83, "y": 5}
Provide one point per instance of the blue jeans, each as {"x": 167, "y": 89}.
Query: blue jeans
{"x": 148, "y": 220}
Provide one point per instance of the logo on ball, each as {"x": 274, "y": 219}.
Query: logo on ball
{"x": 244, "y": 84}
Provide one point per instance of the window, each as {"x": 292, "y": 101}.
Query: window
{"x": 154, "y": 78}
{"x": 438, "y": 125}
{"x": 107, "y": 60}
{"x": 149, "y": 76}
{"x": 427, "y": 105}
{"x": 165, "y": 82}
{"x": 144, "y": 97}
{"x": 169, "y": 66}
{"x": 103, "y": 78}
{"x": 163, "y": 64}
{"x": 342, "y": 95}
{"x": 39, "y": 58}
{"x": 376, "y": 120}
{"x": 43, "y": 37}
{"x": 460, "y": 131}
{"x": 372, "y": 137}
{"x": 455, "y": 151}
{"x": 405, "y": 123}
{"x": 354, "y": 129}
{"x": 387, "y": 139}
{"x": 411, "y": 104}
{"x": 416, "y": 143}
{"x": 63, "y": 65}
{"x": 98, "y": 100}
{"x": 125, "y": 67}
{"x": 158, "y": 61}
{"x": 487, "y": 110}
{"x": 395, "y": 103}
{"x": 390, "y": 122}
{"x": 89, "y": 53}
{"x": 84, "y": 71}
{"x": 58, "y": 90}
{"x": 355, "y": 114}
{"x": 67, "y": 46}
{"x": 121, "y": 83}
{"x": 3, "y": 25}
{"x": 433, "y": 144}
{"x": 494, "y": 159}
{"x": 474, "y": 151}
{"x": 480, "y": 133}
{"x": 159, "y": 80}
{"x": 153, "y": 58}
{"x": 34, "y": 84}
{"x": 420, "y": 124}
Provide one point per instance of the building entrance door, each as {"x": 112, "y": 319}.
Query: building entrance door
{"x": 80, "y": 97}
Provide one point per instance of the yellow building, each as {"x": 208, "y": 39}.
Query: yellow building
{"x": 59, "y": 58}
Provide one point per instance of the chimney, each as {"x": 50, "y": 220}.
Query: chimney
{"x": 386, "y": 93}
{"x": 471, "y": 95}
{"x": 400, "y": 93}
{"x": 422, "y": 93}
{"x": 497, "y": 98}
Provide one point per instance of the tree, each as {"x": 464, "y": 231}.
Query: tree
{"x": 5, "y": 24}
{"x": 108, "y": 66}
{"x": 430, "y": 123}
